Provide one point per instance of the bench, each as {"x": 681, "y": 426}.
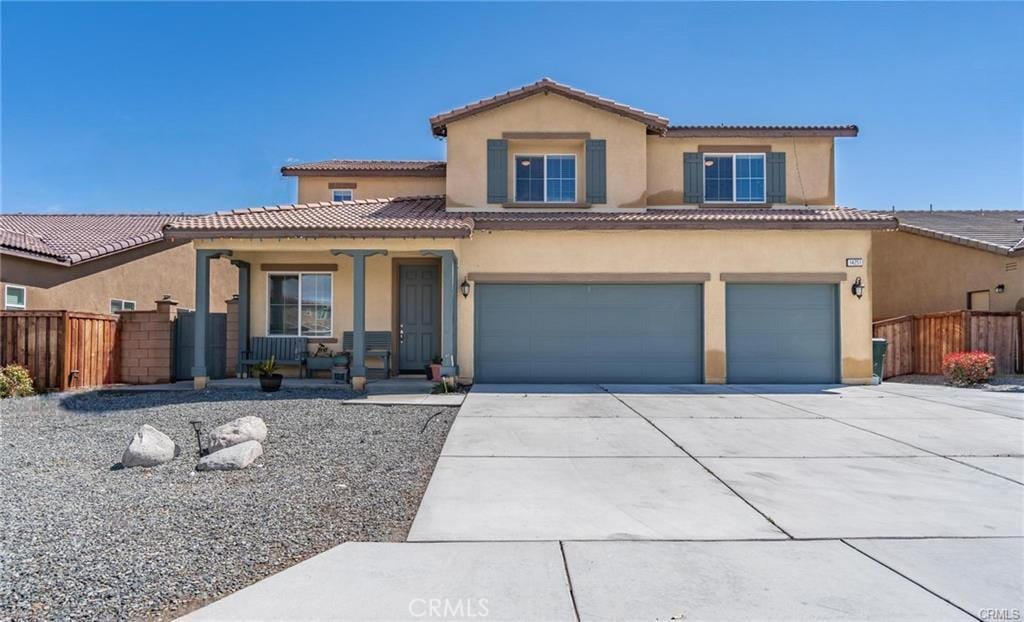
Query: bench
{"x": 285, "y": 350}
{"x": 378, "y": 343}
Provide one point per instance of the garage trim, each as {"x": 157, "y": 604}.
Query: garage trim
{"x": 784, "y": 277}
{"x": 528, "y": 278}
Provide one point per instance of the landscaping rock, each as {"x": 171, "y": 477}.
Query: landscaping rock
{"x": 230, "y": 458}
{"x": 235, "y": 432}
{"x": 148, "y": 448}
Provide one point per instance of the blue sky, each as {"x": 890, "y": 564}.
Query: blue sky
{"x": 183, "y": 107}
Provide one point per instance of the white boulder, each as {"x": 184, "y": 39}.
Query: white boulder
{"x": 234, "y": 432}
{"x": 235, "y": 457}
{"x": 148, "y": 448}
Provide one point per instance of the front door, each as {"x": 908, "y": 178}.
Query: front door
{"x": 419, "y": 327}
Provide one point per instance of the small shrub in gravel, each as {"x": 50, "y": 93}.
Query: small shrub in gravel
{"x": 15, "y": 381}
{"x": 83, "y": 541}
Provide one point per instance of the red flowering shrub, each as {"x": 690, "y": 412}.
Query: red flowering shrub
{"x": 963, "y": 369}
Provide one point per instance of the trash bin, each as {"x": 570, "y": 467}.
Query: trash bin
{"x": 878, "y": 347}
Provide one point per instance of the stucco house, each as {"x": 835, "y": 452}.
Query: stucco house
{"x": 948, "y": 260}
{"x": 99, "y": 263}
{"x": 568, "y": 238}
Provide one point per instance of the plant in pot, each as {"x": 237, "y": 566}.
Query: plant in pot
{"x": 270, "y": 380}
{"x": 435, "y": 369}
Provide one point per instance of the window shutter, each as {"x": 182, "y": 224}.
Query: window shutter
{"x": 597, "y": 184}
{"x": 693, "y": 177}
{"x": 775, "y": 177}
{"x": 497, "y": 170}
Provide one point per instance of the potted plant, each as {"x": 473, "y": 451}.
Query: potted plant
{"x": 435, "y": 369}
{"x": 322, "y": 360}
{"x": 270, "y": 380}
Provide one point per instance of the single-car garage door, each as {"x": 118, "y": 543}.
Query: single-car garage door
{"x": 577, "y": 332}
{"x": 781, "y": 333}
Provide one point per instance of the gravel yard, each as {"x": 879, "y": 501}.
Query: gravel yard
{"x": 83, "y": 539}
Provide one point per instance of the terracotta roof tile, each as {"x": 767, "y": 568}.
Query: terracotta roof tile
{"x": 422, "y": 216}
{"x": 439, "y": 123}
{"x": 426, "y": 217}
{"x": 411, "y": 168}
{"x": 753, "y": 131}
{"x": 74, "y": 238}
{"x": 999, "y": 231}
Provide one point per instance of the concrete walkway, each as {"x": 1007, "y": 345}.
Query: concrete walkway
{"x": 896, "y": 502}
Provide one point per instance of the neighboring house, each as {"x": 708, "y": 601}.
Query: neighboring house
{"x": 99, "y": 263}
{"x": 947, "y": 260}
{"x": 570, "y": 238}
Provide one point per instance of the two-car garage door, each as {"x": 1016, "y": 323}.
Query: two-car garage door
{"x": 579, "y": 332}
{"x": 652, "y": 333}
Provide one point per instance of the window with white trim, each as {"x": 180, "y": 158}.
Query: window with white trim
{"x": 299, "y": 304}
{"x": 343, "y": 194}
{"x": 15, "y": 297}
{"x": 734, "y": 178}
{"x": 545, "y": 178}
{"x": 117, "y": 304}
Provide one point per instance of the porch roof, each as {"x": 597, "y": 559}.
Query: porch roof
{"x": 422, "y": 216}
{"x": 425, "y": 216}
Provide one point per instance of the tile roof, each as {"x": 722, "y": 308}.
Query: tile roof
{"x": 439, "y": 123}
{"x": 999, "y": 231}
{"x": 422, "y": 216}
{"x": 394, "y": 168}
{"x": 692, "y": 218}
{"x": 761, "y": 130}
{"x": 426, "y": 217}
{"x": 73, "y": 238}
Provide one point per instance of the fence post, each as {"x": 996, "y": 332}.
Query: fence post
{"x": 967, "y": 331}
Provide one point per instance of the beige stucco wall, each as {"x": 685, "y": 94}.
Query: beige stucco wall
{"x": 144, "y": 275}
{"x": 810, "y": 177}
{"x": 467, "y": 147}
{"x": 579, "y": 251}
{"x": 915, "y": 274}
{"x": 315, "y": 188}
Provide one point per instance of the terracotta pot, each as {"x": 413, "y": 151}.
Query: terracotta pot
{"x": 435, "y": 372}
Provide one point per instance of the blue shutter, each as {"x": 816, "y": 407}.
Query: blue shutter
{"x": 693, "y": 178}
{"x": 597, "y": 184}
{"x": 497, "y": 170}
{"x": 775, "y": 177}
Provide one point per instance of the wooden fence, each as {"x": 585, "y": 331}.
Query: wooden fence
{"x": 62, "y": 349}
{"x": 917, "y": 343}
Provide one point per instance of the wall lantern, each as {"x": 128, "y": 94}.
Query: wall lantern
{"x": 464, "y": 288}
{"x": 1000, "y": 288}
{"x": 857, "y": 288}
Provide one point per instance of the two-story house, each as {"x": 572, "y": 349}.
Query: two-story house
{"x": 570, "y": 238}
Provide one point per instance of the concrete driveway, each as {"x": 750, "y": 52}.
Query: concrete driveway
{"x": 744, "y": 502}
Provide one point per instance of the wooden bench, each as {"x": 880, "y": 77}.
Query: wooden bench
{"x": 285, "y": 350}
{"x": 378, "y": 343}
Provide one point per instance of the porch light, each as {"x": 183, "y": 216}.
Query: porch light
{"x": 1000, "y": 288}
{"x": 464, "y": 288}
{"x": 858, "y": 288}
{"x": 197, "y": 426}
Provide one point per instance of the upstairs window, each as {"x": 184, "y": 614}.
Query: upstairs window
{"x": 546, "y": 179}
{"x": 14, "y": 297}
{"x": 300, "y": 305}
{"x": 116, "y": 304}
{"x": 734, "y": 178}
{"x": 342, "y": 195}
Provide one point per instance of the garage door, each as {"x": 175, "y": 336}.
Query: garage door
{"x": 643, "y": 333}
{"x": 779, "y": 333}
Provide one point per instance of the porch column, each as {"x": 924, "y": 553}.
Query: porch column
{"x": 358, "y": 366}
{"x": 449, "y": 307}
{"x": 203, "y": 257}
{"x": 244, "y": 309}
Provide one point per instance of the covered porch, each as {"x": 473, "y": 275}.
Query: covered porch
{"x": 389, "y": 304}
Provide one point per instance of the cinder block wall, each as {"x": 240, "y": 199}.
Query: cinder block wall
{"x": 146, "y": 344}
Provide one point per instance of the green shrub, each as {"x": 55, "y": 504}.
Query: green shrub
{"x": 964, "y": 369}
{"x": 15, "y": 382}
